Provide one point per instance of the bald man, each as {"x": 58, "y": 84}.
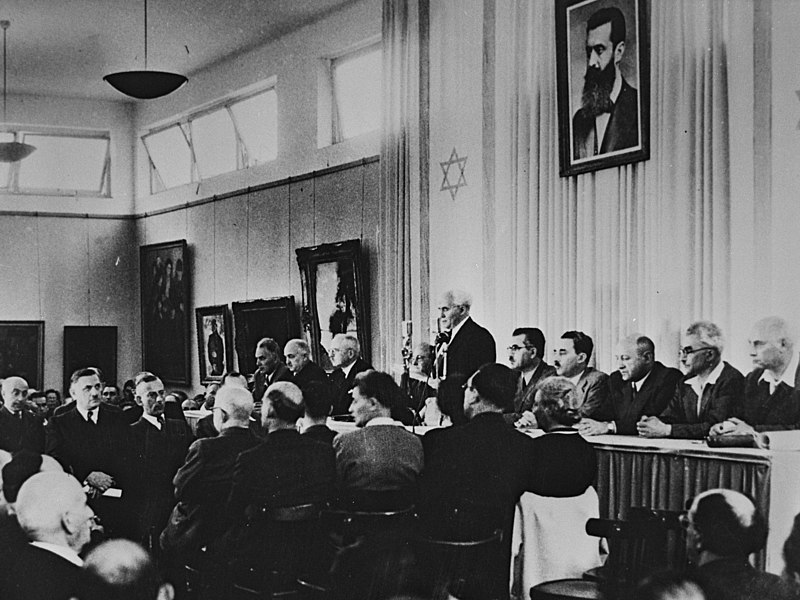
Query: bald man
{"x": 298, "y": 358}
{"x": 53, "y": 513}
{"x": 18, "y": 428}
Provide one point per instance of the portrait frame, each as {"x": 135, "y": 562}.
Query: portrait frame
{"x": 211, "y": 368}
{"x": 578, "y": 138}
{"x": 165, "y": 310}
{"x": 332, "y": 275}
{"x": 22, "y": 351}
{"x": 256, "y": 319}
{"x": 90, "y": 346}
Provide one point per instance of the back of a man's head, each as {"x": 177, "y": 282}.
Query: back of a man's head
{"x": 728, "y": 522}
{"x": 495, "y": 384}
{"x": 121, "y": 570}
{"x": 43, "y": 501}
{"x": 285, "y": 402}
{"x": 23, "y": 465}
{"x": 318, "y": 399}
{"x": 237, "y": 403}
{"x": 380, "y": 386}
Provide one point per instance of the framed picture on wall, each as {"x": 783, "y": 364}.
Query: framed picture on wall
{"x": 603, "y": 76}
{"x": 22, "y": 351}
{"x": 274, "y": 317}
{"x": 89, "y": 346}
{"x": 334, "y": 296}
{"x": 214, "y": 342}
{"x": 165, "y": 282}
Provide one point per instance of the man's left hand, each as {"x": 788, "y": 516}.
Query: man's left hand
{"x": 739, "y": 427}
{"x": 653, "y": 427}
{"x": 592, "y": 427}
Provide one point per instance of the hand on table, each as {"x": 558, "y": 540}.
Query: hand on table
{"x": 592, "y": 427}
{"x": 653, "y": 427}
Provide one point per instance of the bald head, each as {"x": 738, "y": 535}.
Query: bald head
{"x": 122, "y": 570}
{"x": 635, "y": 356}
{"x": 234, "y": 406}
{"x": 772, "y": 344}
{"x": 344, "y": 350}
{"x": 15, "y": 392}
{"x": 297, "y": 354}
{"x": 726, "y": 523}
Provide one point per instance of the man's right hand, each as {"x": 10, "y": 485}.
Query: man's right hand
{"x": 99, "y": 480}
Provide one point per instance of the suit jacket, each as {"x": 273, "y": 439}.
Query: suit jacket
{"x": 564, "y": 464}
{"x": 38, "y": 574}
{"x": 311, "y": 372}
{"x": 592, "y": 392}
{"x": 621, "y": 132}
{"x": 17, "y": 433}
{"x": 342, "y": 385}
{"x": 472, "y": 347}
{"x": 765, "y": 412}
{"x": 652, "y": 398}
{"x": 156, "y": 458}
{"x": 321, "y": 433}
{"x": 735, "y": 579}
{"x": 523, "y": 400}
{"x": 718, "y": 403}
{"x": 260, "y": 384}
{"x": 59, "y": 410}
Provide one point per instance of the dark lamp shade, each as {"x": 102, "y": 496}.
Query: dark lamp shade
{"x": 145, "y": 85}
{"x": 14, "y": 151}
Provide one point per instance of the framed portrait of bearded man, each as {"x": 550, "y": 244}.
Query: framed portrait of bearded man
{"x": 603, "y": 76}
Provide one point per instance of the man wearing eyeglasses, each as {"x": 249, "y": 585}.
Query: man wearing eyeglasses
{"x": 710, "y": 392}
{"x": 525, "y": 357}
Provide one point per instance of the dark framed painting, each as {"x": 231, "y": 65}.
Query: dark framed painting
{"x": 273, "y": 317}
{"x": 603, "y": 77}
{"x": 90, "y": 346}
{"x": 334, "y": 296}
{"x": 22, "y": 351}
{"x": 214, "y": 342}
{"x": 165, "y": 282}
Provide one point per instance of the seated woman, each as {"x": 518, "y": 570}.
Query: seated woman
{"x": 551, "y": 520}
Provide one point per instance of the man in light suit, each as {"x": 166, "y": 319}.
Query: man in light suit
{"x": 640, "y": 386}
{"x": 345, "y": 353}
{"x": 463, "y": 345}
{"x": 18, "y": 428}
{"x": 572, "y": 353}
{"x": 710, "y": 392}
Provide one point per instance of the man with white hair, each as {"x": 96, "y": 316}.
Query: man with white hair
{"x": 18, "y": 428}
{"x": 345, "y": 353}
{"x": 298, "y": 358}
{"x": 462, "y": 346}
{"x": 52, "y": 511}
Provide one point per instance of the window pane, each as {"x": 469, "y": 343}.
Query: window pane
{"x": 5, "y": 168}
{"x": 214, "y": 142}
{"x": 170, "y": 155}
{"x": 63, "y": 163}
{"x": 257, "y": 120}
{"x": 357, "y": 90}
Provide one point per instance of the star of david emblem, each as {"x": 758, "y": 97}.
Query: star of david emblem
{"x": 461, "y": 163}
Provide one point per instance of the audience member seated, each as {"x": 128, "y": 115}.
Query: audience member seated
{"x": 526, "y": 357}
{"x": 203, "y": 483}
{"x": 37, "y": 405}
{"x": 53, "y": 401}
{"x": 378, "y": 464}
{"x": 18, "y": 428}
{"x": 724, "y": 528}
{"x": 52, "y": 511}
{"x": 463, "y": 345}
{"x": 205, "y": 426}
{"x": 669, "y": 585}
{"x": 128, "y": 394}
{"x": 270, "y": 368}
{"x": 416, "y": 382}
{"x": 345, "y": 355}
{"x": 121, "y": 570}
{"x": 111, "y": 395}
{"x": 475, "y": 473}
{"x": 772, "y": 390}
{"x": 791, "y": 557}
{"x": 318, "y": 400}
{"x": 572, "y": 354}
{"x": 710, "y": 392}
{"x": 173, "y": 405}
{"x": 555, "y": 512}
{"x": 304, "y": 370}
{"x": 640, "y": 386}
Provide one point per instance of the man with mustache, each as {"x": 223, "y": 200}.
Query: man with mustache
{"x": 608, "y": 119}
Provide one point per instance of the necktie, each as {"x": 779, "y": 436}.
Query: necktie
{"x": 90, "y": 417}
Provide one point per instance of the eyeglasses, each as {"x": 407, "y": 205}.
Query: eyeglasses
{"x": 516, "y": 348}
{"x": 686, "y": 351}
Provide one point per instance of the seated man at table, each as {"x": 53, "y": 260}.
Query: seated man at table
{"x": 724, "y": 528}
{"x": 378, "y": 464}
{"x": 572, "y": 354}
{"x": 640, "y": 386}
{"x": 710, "y": 392}
{"x": 772, "y": 390}
{"x": 526, "y": 357}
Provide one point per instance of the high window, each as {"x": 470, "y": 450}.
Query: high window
{"x": 356, "y": 91}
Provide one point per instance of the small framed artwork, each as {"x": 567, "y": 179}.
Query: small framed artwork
{"x": 603, "y": 76}
{"x": 22, "y": 351}
{"x": 274, "y": 318}
{"x": 90, "y": 346}
{"x": 214, "y": 342}
{"x": 165, "y": 289}
{"x": 333, "y": 296}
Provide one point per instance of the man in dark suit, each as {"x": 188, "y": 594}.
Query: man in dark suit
{"x": 203, "y": 483}
{"x": 771, "y": 399}
{"x": 608, "y": 119}
{"x": 345, "y": 353}
{"x": 709, "y": 393}
{"x": 90, "y": 441}
{"x": 463, "y": 345}
{"x": 417, "y": 379}
{"x": 270, "y": 368}
{"x": 304, "y": 370}
{"x": 526, "y": 357}
{"x": 641, "y": 386}
{"x": 158, "y": 448}
{"x": 18, "y": 428}
{"x": 572, "y": 353}
{"x": 318, "y": 400}
{"x": 53, "y": 513}
{"x": 475, "y": 473}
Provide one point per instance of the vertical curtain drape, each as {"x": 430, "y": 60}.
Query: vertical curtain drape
{"x": 641, "y": 247}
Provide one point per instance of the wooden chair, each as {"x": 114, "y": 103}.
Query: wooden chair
{"x": 346, "y": 526}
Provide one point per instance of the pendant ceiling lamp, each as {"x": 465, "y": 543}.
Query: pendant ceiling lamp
{"x": 145, "y": 85}
{"x": 10, "y": 151}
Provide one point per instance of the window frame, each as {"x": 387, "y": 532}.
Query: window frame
{"x": 369, "y": 46}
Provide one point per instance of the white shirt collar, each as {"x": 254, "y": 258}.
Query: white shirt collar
{"x": 346, "y": 370}
{"x": 787, "y": 377}
{"x": 152, "y": 420}
{"x": 637, "y": 385}
{"x": 457, "y": 328}
{"x": 698, "y": 387}
{"x": 62, "y": 551}
{"x": 85, "y": 413}
{"x": 576, "y": 378}
{"x": 383, "y": 421}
